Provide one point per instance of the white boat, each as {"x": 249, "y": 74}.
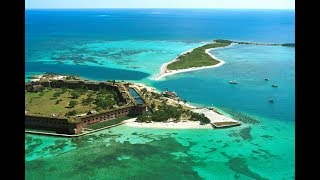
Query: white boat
{"x": 233, "y": 82}
{"x": 274, "y": 85}
{"x": 266, "y": 79}
{"x": 271, "y": 100}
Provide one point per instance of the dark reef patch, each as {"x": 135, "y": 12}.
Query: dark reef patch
{"x": 34, "y": 144}
{"x": 239, "y": 165}
{"x": 95, "y": 160}
{"x": 267, "y": 137}
{"x": 244, "y": 133}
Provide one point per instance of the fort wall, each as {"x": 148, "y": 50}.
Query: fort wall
{"x": 62, "y": 125}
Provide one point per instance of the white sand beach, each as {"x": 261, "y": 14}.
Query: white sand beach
{"x": 213, "y": 116}
{"x": 55, "y": 77}
{"x": 168, "y": 125}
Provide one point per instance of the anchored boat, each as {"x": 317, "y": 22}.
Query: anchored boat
{"x": 274, "y": 85}
{"x": 233, "y": 82}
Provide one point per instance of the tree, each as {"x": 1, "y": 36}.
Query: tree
{"x": 87, "y": 101}
{"x": 71, "y": 113}
{"x": 153, "y": 94}
{"x": 90, "y": 94}
{"x": 143, "y": 90}
{"x": 143, "y": 118}
{"x": 153, "y": 105}
{"x": 57, "y": 94}
{"x": 58, "y": 101}
{"x": 184, "y": 101}
{"x": 73, "y": 103}
{"x": 64, "y": 89}
{"x": 200, "y": 117}
{"x": 104, "y": 103}
{"x": 75, "y": 94}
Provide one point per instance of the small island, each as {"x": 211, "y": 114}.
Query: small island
{"x": 70, "y": 106}
{"x": 194, "y": 59}
{"x": 200, "y": 58}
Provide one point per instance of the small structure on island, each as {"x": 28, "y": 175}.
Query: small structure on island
{"x": 169, "y": 94}
{"x": 92, "y": 112}
{"x": 54, "y": 114}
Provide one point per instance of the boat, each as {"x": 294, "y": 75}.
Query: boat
{"x": 266, "y": 79}
{"x": 270, "y": 100}
{"x": 233, "y": 82}
{"x": 274, "y": 85}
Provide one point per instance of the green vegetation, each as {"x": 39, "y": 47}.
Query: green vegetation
{"x": 57, "y": 94}
{"x": 289, "y": 44}
{"x": 105, "y": 99}
{"x": 198, "y": 57}
{"x": 164, "y": 113}
{"x": 60, "y": 100}
{"x": 72, "y": 77}
{"x": 200, "y": 117}
{"x": 107, "y": 123}
{"x": 73, "y": 103}
{"x": 223, "y": 41}
{"x": 167, "y": 112}
{"x": 144, "y": 118}
{"x": 71, "y": 113}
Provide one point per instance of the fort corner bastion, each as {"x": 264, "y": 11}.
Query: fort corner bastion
{"x": 76, "y": 124}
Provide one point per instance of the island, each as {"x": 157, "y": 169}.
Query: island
{"x": 200, "y": 58}
{"x": 69, "y": 106}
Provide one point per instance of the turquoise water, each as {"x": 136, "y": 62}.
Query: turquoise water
{"x": 113, "y": 47}
{"x": 249, "y": 65}
{"x": 256, "y": 151}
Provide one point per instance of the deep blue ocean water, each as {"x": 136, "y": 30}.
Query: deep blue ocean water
{"x": 276, "y": 26}
{"x": 132, "y": 44}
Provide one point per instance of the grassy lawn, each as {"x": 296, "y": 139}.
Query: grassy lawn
{"x": 107, "y": 123}
{"x": 198, "y": 57}
{"x": 45, "y": 103}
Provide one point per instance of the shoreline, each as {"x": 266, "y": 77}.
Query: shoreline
{"x": 165, "y": 72}
{"x": 217, "y": 119}
{"x": 184, "y": 124}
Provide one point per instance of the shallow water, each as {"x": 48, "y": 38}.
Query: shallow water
{"x": 255, "y": 151}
